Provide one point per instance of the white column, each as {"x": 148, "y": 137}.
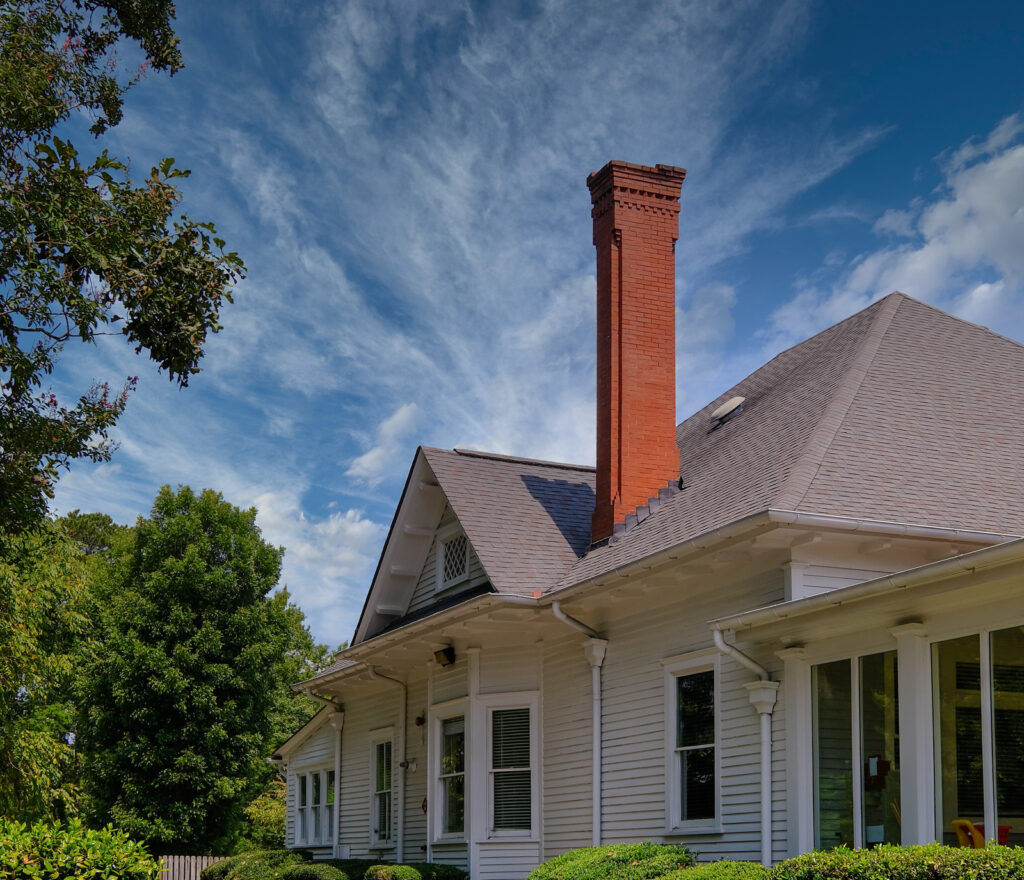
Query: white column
{"x": 917, "y": 770}
{"x": 477, "y": 764}
{"x": 796, "y": 683}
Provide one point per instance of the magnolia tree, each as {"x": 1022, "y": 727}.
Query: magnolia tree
{"x": 85, "y": 249}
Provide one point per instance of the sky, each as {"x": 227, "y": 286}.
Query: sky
{"x": 406, "y": 183}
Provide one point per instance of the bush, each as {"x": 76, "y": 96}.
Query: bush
{"x": 434, "y": 871}
{"x": 61, "y": 852}
{"x": 933, "y": 862}
{"x": 265, "y": 864}
{"x": 353, "y": 869}
{"x": 392, "y": 872}
{"x": 625, "y": 861}
{"x": 724, "y": 870}
{"x": 313, "y": 871}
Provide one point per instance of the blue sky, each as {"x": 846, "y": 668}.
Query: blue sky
{"x": 406, "y": 182}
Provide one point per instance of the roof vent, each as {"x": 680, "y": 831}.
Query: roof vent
{"x": 732, "y": 407}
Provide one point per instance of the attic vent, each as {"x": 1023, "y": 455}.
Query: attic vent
{"x": 454, "y": 553}
{"x": 732, "y": 407}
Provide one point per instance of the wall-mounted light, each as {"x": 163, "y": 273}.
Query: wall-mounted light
{"x": 446, "y": 656}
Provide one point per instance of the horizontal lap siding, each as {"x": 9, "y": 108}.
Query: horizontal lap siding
{"x": 567, "y": 732}
{"x": 634, "y": 796}
{"x": 503, "y": 670}
{"x": 416, "y": 780}
{"x": 317, "y": 751}
{"x": 451, "y": 854}
{"x": 425, "y": 591}
{"x": 507, "y": 860}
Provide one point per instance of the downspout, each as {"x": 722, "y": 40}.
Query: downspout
{"x": 762, "y": 695}
{"x": 402, "y": 765}
{"x": 594, "y": 651}
{"x": 337, "y": 721}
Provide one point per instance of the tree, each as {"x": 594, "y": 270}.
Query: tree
{"x": 42, "y": 619}
{"x": 85, "y": 250}
{"x": 182, "y": 694}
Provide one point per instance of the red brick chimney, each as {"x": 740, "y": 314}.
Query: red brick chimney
{"x": 636, "y": 224}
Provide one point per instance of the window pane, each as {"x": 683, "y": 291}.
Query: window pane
{"x": 695, "y": 702}
{"x": 833, "y": 755}
{"x": 1008, "y": 706}
{"x": 300, "y": 783}
{"x": 453, "y": 745}
{"x": 330, "y": 786}
{"x": 512, "y": 799}
{"x": 383, "y": 769}
{"x": 316, "y": 788}
{"x": 697, "y": 769}
{"x": 510, "y": 736}
{"x": 454, "y": 804}
{"x": 383, "y": 817}
{"x": 960, "y": 794}
{"x": 879, "y": 716}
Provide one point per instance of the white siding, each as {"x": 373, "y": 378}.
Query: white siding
{"x": 450, "y": 682}
{"x": 812, "y": 580}
{"x": 507, "y": 860}
{"x": 423, "y": 594}
{"x": 567, "y": 735}
{"x": 315, "y": 752}
{"x": 416, "y": 780}
{"x": 634, "y": 796}
{"x": 510, "y": 669}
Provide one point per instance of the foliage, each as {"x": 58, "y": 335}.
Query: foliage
{"x": 42, "y": 598}
{"x": 84, "y": 249}
{"x": 180, "y": 692}
{"x": 254, "y": 865}
{"x": 56, "y": 852}
{"x": 724, "y": 870}
{"x": 933, "y": 862}
{"x": 296, "y": 865}
{"x": 264, "y": 821}
{"x": 626, "y": 861}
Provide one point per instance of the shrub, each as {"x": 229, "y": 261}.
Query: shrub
{"x": 265, "y": 864}
{"x": 724, "y": 870}
{"x": 60, "y": 852}
{"x": 434, "y": 871}
{"x": 392, "y": 872}
{"x": 624, "y": 861}
{"x": 313, "y": 871}
{"x": 933, "y": 862}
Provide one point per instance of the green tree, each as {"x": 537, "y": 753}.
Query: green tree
{"x": 84, "y": 249}
{"x": 43, "y": 606}
{"x": 182, "y": 694}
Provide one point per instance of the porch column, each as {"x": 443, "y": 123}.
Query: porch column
{"x": 917, "y": 770}
{"x": 796, "y": 684}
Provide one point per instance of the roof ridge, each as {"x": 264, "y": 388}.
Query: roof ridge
{"x": 476, "y": 453}
{"x": 802, "y": 474}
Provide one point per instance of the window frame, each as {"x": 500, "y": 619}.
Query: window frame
{"x": 379, "y": 737}
{"x": 304, "y": 821}
{"x": 676, "y": 667}
{"x": 438, "y": 715}
{"x": 489, "y": 705}
{"x": 444, "y": 536}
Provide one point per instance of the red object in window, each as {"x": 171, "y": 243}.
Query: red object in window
{"x": 1003, "y": 838}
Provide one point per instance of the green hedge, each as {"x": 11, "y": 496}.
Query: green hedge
{"x": 724, "y": 870}
{"x": 61, "y": 852}
{"x": 625, "y": 861}
{"x": 933, "y": 862}
{"x": 283, "y": 864}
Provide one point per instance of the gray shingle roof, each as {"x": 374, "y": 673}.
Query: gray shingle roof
{"x": 528, "y": 521}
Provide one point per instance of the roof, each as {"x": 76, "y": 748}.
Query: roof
{"x": 900, "y": 413}
{"x": 528, "y": 521}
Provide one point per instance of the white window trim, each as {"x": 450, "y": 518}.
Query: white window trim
{"x": 443, "y": 536}
{"x": 676, "y": 667}
{"x": 328, "y": 828}
{"x": 438, "y": 714}
{"x": 376, "y": 737}
{"x": 488, "y": 703}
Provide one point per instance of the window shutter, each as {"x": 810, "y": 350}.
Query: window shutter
{"x": 510, "y": 738}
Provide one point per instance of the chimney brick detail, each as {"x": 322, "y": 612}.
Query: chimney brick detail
{"x": 636, "y": 224}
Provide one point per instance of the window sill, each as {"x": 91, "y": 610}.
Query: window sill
{"x": 449, "y": 841}
{"x": 694, "y": 828}
{"x": 510, "y": 838}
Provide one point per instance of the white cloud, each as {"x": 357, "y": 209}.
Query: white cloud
{"x": 383, "y": 459}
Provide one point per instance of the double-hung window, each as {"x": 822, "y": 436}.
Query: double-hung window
{"x": 314, "y": 806}
{"x": 452, "y": 776}
{"x": 692, "y": 752}
{"x": 380, "y": 789}
{"x": 512, "y": 771}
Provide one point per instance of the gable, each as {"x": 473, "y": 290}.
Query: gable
{"x": 431, "y": 583}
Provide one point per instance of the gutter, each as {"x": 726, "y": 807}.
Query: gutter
{"x": 967, "y": 563}
{"x": 594, "y": 650}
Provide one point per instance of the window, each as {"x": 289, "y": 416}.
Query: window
{"x": 452, "y": 775}
{"x": 380, "y": 792}
{"x": 511, "y": 770}
{"x": 452, "y": 557}
{"x": 314, "y": 800}
{"x": 692, "y": 752}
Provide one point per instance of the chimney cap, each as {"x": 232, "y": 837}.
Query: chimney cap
{"x": 617, "y": 166}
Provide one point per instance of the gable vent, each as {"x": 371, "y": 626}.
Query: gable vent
{"x": 456, "y": 559}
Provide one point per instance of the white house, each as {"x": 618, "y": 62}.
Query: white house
{"x": 794, "y": 620}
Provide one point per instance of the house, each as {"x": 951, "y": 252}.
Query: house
{"x": 794, "y": 620}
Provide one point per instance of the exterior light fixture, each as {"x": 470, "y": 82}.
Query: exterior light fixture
{"x": 446, "y": 656}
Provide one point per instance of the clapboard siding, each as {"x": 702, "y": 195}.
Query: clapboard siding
{"x": 812, "y": 580}
{"x": 318, "y": 752}
{"x": 509, "y": 669}
{"x": 634, "y": 797}
{"x": 567, "y": 732}
{"x": 423, "y": 593}
{"x": 450, "y": 682}
{"x": 507, "y": 860}
{"x": 416, "y": 780}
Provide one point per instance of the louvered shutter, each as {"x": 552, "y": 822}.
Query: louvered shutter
{"x": 510, "y": 769}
